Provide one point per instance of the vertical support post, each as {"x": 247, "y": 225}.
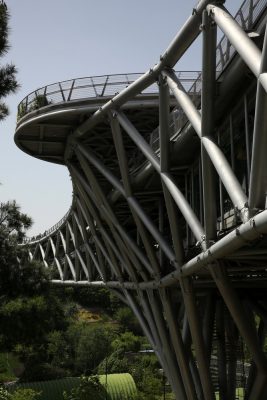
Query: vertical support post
{"x": 179, "y": 347}
{"x": 231, "y": 133}
{"x": 258, "y": 175}
{"x": 207, "y": 122}
{"x": 232, "y": 338}
{"x": 162, "y": 258}
{"x": 247, "y": 139}
{"x": 197, "y": 337}
{"x": 200, "y": 181}
{"x": 246, "y": 329}
{"x": 208, "y": 321}
{"x": 175, "y": 376}
{"x": 164, "y": 135}
{"x": 221, "y": 351}
{"x": 188, "y": 233}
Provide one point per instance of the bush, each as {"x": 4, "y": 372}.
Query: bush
{"x": 39, "y": 101}
{"x": 89, "y": 388}
{"x": 19, "y": 394}
{"x": 116, "y": 363}
{"x": 127, "y": 320}
{"x": 25, "y": 394}
{"x": 42, "y": 372}
{"x": 127, "y": 342}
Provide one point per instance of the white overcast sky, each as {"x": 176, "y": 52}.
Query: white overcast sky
{"x": 55, "y": 40}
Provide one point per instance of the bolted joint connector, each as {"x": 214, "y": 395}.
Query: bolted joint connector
{"x": 245, "y": 214}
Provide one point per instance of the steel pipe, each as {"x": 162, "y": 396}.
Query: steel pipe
{"x": 177, "y": 195}
{"x": 207, "y": 123}
{"x": 217, "y": 157}
{"x": 240, "y": 40}
{"x": 258, "y": 174}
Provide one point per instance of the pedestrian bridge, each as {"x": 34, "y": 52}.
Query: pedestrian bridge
{"x": 169, "y": 198}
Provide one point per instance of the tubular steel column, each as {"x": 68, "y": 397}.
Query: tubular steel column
{"x": 207, "y": 123}
{"x": 164, "y": 139}
{"x": 179, "y": 347}
{"x": 197, "y": 337}
{"x": 258, "y": 175}
{"x": 217, "y": 157}
{"x": 177, "y": 195}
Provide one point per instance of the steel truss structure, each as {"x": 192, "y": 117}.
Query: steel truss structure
{"x": 169, "y": 199}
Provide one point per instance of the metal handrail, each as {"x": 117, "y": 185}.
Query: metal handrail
{"x": 246, "y": 16}
{"x": 78, "y": 89}
{"x": 50, "y": 231}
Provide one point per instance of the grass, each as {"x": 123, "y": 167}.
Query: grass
{"x": 119, "y": 386}
{"x": 239, "y": 394}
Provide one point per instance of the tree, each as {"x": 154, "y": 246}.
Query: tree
{"x": 28, "y": 308}
{"x": 8, "y": 83}
{"x": 127, "y": 341}
{"x": 91, "y": 347}
{"x": 127, "y": 320}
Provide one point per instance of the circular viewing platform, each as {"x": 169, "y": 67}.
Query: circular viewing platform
{"x": 48, "y": 115}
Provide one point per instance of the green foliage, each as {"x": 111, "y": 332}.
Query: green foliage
{"x": 19, "y": 394}
{"x": 92, "y": 297}
{"x": 89, "y": 388}
{"x": 28, "y": 309}
{"x": 22, "y": 110}
{"x": 4, "y": 395}
{"x": 127, "y": 342}
{"x": 13, "y": 223}
{"x": 26, "y": 321}
{"x": 127, "y": 320}
{"x": 57, "y": 348}
{"x": 25, "y": 394}
{"x": 10, "y": 367}
{"x": 116, "y": 363}
{"x": 90, "y": 346}
{"x": 4, "y": 16}
{"x": 37, "y": 370}
{"x": 39, "y": 101}
{"x": 113, "y": 387}
{"x": 8, "y": 83}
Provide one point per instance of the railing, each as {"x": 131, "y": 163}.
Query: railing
{"x": 246, "y": 16}
{"x": 50, "y": 231}
{"x": 78, "y": 89}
